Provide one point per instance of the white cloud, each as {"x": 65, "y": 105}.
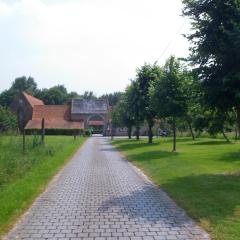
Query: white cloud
{"x": 86, "y": 44}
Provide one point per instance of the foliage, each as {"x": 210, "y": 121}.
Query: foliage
{"x": 112, "y": 98}
{"x": 56, "y": 131}
{"x": 133, "y": 99}
{"x": 215, "y": 122}
{"x": 19, "y": 84}
{"x": 147, "y": 75}
{"x": 89, "y": 95}
{"x": 202, "y": 177}
{"x": 56, "y": 95}
{"x": 8, "y": 120}
{"x": 167, "y": 94}
{"x": 215, "y": 51}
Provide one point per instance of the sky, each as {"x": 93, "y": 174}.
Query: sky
{"x": 87, "y": 45}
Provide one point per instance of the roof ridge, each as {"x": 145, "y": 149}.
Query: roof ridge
{"x": 32, "y": 100}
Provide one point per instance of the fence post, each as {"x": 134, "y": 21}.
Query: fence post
{"x": 24, "y": 147}
{"x": 43, "y": 131}
{"x": 74, "y": 134}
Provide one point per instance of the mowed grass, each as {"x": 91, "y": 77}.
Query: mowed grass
{"x": 203, "y": 177}
{"x": 24, "y": 176}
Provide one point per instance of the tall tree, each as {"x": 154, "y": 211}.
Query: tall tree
{"x": 89, "y": 95}
{"x": 215, "y": 51}
{"x": 134, "y": 101}
{"x": 193, "y": 92}
{"x": 167, "y": 94}
{"x": 145, "y": 76}
{"x": 54, "y": 95}
{"x": 112, "y": 98}
{"x": 215, "y": 122}
{"x": 20, "y": 84}
{"x": 123, "y": 116}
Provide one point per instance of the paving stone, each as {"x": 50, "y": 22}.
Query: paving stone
{"x": 100, "y": 196}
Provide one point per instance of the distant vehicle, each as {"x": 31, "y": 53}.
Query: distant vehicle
{"x": 163, "y": 133}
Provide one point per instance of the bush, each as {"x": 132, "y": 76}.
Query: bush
{"x": 8, "y": 120}
{"x": 55, "y": 132}
{"x": 87, "y": 133}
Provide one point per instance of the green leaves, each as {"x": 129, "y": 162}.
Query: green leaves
{"x": 8, "y": 120}
{"x": 167, "y": 93}
{"x": 215, "y": 48}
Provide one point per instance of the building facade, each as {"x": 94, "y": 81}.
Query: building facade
{"x": 94, "y": 114}
{"x": 90, "y": 114}
{"x": 81, "y": 114}
{"x": 23, "y": 106}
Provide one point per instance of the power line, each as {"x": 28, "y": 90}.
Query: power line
{"x": 171, "y": 41}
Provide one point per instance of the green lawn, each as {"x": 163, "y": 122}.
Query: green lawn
{"x": 24, "y": 176}
{"x": 203, "y": 177}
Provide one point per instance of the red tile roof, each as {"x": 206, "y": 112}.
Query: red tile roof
{"x": 55, "y": 116}
{"x": 32, "y": 100}
{"x": 54, "y": 124}
{"x": 51, "y": 112}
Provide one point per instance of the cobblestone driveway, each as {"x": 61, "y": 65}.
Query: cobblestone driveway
{"x": 99, "y": 195}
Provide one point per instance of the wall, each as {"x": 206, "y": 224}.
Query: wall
{"x": 23, "y": 109}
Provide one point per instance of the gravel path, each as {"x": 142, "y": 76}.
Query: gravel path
{"x": 99, "y": 195}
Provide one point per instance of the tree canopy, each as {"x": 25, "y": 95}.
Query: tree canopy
{"x": 215, "y": 51}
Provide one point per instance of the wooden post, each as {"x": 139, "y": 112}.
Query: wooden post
{"x": 24, "y": 147}
{"x": 43, "y": 132}
{"x": 75, "y": 134}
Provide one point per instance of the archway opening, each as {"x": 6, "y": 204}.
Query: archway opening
{"x": 96, "y": 124}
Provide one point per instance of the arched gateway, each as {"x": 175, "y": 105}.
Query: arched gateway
{"x": 94, "y": 114}
{"x": 82, "y": 114}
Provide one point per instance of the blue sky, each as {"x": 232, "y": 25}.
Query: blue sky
{"x": 87, "y": 44}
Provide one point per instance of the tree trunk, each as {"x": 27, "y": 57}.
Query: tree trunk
{"x": 225, "y": 136}
{"x": 112, "y": 132}
{"x": 238, "y": 122}
{"x": 191, "y": 130}
{"x": 174, "y": 134}
{"x": 24, "y": 141}
{"x": 150, "y": 134}
{"x": 137, "y": 132}
{"x": 129, "y": 132}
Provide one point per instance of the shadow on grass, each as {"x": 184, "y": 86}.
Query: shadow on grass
{"x": 230, "y": 157}
{"x": 125, "y": 146}
{"x": 151, "y": 155}
{"x": 212, "y": 197}
{"x": 209, "y": 143}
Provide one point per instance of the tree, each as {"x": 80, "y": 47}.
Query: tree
{"x": 167, "y": 94}
{"x": 123, "y": 117}
{"x": 112, "y": 98}
{"x": 145, "y": 76}
{"x": 54, "y": 95}
{"x": 89, "y": 95}
{"x": 24, "y": 84}
{"x": 8, "y": 120}
{"x": 215, "y": 51}
{"x": 215, "y": 122}
{"x": 20, "y": 84}
{"x": 193, "y": 93}
{"x": 133, "y": 98}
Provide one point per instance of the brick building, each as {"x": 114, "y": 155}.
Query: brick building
{"x": 23, "y": 105}
{"x": 94, "y": 114}
{"x": 81, "y": 114}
